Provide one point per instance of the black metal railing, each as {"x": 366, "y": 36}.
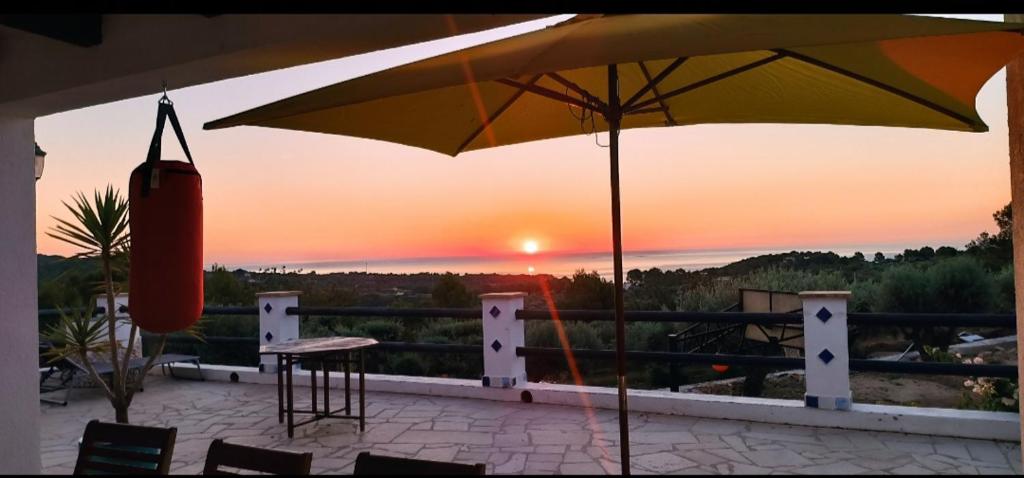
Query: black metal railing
{"x": 757, "y": 318}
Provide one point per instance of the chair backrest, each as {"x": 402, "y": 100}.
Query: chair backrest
{"x": 118, "y": 448}
{"x": 276, "y": 462}
{"x": 367, "y": 464}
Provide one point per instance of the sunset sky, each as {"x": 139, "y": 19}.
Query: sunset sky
{"x": 285, "y": 196}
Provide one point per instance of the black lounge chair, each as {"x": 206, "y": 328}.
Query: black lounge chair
{"x": 66, "y": 374}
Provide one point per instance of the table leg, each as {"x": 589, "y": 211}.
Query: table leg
{"x": 280, "y": 389}
{"x": 312, "y": 386}
{"x": 362, "y": 392}
{"x": 348, "y": 383}
{"x": 291, "y": 405}
{"x": 327, "y": 389}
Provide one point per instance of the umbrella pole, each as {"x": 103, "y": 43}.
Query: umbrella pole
{"x": 614, "y": 119}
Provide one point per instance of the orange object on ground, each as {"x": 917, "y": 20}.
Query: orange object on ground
{"x": 720, "y": 368}
{"x": 165, "y": 203}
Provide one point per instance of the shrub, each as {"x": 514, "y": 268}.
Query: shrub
{"x": 1003, "y": 283}
{"x": 904, "y": 289}
{"x": 382, "y": 330}
{"x": 961, "y": 285}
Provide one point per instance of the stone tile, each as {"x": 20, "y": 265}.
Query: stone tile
{"x": 451, "y": 426}
{"x": 511, "y": 439}
{"x": 702, "y": 457}
{"x": 559, "y": 437}
{"x": 581, "y": 469}
{"x": 515, "y": 464}
{"x": 544, "y": 457}
{"x": 663, "y": 462}
{"x": 662, "y": 437}
{"x": 469, "y": 438}
{"x": 774, "y": 458}
{"x": 912, "y": 469}
{"x": 986, "y": 451}
{"x": 841, "y": 468}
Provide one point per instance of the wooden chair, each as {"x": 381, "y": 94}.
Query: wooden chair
{"x": 275, "y": 462}
{"x": 367, "y": 464}
{"x": 114, "y": 448}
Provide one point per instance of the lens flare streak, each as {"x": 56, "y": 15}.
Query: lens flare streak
{"x": 570, "y": 359}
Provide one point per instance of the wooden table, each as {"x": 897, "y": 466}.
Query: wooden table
{"x": 320, "y": 352}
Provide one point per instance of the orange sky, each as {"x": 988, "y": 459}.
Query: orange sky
{"x": 275, "y": 196}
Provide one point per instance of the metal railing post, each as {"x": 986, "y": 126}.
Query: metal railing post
{"x": 673, "y": 368}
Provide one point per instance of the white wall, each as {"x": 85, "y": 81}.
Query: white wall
{"x": 19, "y": 323}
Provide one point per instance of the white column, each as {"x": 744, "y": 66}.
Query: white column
{"x": 826, "y": 350}
{"x": 124, "y": 327}
{"x": 502, "y": 334}
{"x": 19, "y": 313}
{"x": 1015, "y": 123}
{"x": 276, "y": 326}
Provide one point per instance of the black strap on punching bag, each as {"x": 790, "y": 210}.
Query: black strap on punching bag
{"x": 165, "y": 109}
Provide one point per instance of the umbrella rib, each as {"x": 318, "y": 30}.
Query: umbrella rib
{"x": 664, "y": 107}
{"x": 709, "y": 80}
{"x": 490, "y": 120}
{"x": 552, "y": 94}
{"x": 577, "y": 88}
{"x": 652, "y": 83}
{"x": 881, "y": 85}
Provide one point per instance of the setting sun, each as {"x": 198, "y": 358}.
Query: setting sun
{"x": 530, "y": 246}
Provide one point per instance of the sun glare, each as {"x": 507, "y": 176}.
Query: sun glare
{"x": 530, "y": 246}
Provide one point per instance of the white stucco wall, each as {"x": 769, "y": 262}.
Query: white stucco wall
{"x": 19, "y": 324}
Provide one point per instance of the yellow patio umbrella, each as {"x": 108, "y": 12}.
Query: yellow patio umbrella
{"x": 613, "y": 72}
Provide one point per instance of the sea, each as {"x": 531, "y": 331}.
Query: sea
{"x": 561, "y": 264}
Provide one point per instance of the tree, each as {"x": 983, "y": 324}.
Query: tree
{"x": 100, "y": 229}
{"x": 879, "y": 258}
{"x": 451, "y": 292}
{"x": 995, "y": 250}
{"x": 222, "y": 287}
{"x": 588, "y": 291}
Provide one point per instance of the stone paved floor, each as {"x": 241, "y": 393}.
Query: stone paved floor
{"x": 513, "y": 438}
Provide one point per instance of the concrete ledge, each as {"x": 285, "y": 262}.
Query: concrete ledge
{"x": 1003, "y": 426}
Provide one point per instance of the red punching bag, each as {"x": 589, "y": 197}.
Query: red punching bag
{"x": 165, "y": 202}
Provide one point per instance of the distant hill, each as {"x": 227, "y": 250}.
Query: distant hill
{"x": 50, "y": 267}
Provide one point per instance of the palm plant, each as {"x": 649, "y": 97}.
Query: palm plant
{"x": 100, "y": 229}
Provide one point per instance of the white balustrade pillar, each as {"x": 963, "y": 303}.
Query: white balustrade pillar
{"x": 276, "y": 326}
{"x": 826, "y": 350}
{"x": 502, "y": 334}
{"x": 123, "y": 329}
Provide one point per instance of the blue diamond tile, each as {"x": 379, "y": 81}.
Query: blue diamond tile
{"x": 495, "y": 312}
{"x": 269, "y": 336}
{"x": 496, "y": 346}
{"x": 268, "y": 308}
{"x": 826, "y": 356}
{"x": 823, "y": 315}
{"x": 811, "y": 401}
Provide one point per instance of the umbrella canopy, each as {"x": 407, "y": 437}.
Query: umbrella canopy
{"x": 885, "y": 70}
{"x": 607, "y": 73}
